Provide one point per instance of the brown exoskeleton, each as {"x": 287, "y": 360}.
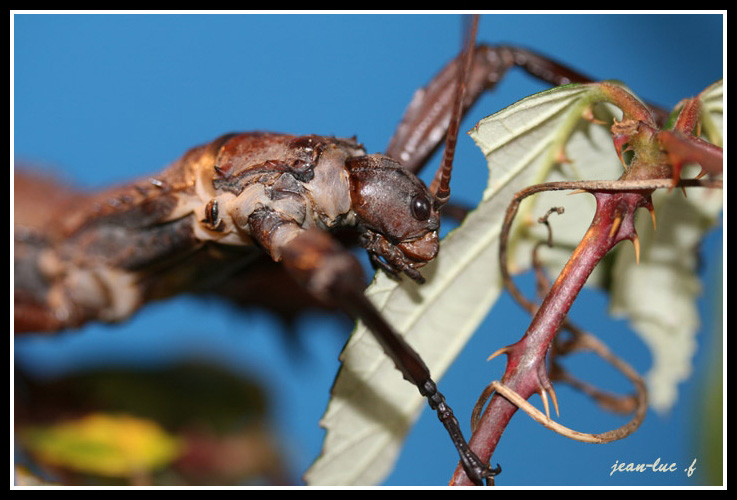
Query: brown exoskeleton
{"x": 77, "y": 263}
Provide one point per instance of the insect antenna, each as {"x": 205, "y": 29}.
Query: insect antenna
{"x": 440, "y": 187}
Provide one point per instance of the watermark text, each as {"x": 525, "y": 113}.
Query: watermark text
{"x": 656, "y": 466}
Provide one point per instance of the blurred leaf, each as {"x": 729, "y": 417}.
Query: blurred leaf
{"x": 712, "y": 115}
{"x": 103, "y": 444}
{"x": 709, "y": 408}
{"x": 174, "y": 396}
{"x": 217, "y": 419}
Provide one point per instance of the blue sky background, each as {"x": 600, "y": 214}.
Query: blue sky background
{"x": 106, "y": 98}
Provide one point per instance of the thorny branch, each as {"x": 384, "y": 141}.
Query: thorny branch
{"x": 655, "y": 163}
{"x": 580, "y": 341}
{"x": 581, "y": 186}
{"x": 526, "y": 374}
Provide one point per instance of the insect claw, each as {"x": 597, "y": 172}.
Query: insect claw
{"x": 493, "y": 472}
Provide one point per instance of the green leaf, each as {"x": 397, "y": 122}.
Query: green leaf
{"x": 526, "y": 142}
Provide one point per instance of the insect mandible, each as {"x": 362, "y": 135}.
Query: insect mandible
{"x": 337, "y": 78}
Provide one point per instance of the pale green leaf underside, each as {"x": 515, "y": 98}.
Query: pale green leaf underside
{"x": 659, "y": 296}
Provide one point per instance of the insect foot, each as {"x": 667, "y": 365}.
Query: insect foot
{"x": 475, "y": 468}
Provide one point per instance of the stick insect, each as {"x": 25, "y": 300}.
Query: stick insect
{"x": 341, "y": 77}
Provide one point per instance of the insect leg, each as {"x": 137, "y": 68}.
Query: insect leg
{"x": 426, "y": 119}
{"x": 333, "y": 274}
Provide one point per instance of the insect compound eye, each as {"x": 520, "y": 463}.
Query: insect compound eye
{"x": 420, "y": 207}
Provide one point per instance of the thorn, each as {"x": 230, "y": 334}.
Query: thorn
{"x": 588, "y": 115}
{"x": 621, "y": 145}
{"x": 577, "y": 191}
{"x": 555, "y": 400}
{"x": 651, "y": 209}
{"x": 636, "y": 243}
{"x": 615, "y": 225}
{"x": 544, "y": 397}
{"x": 503, "y": 350}
{"x": 561, "y": 156}
{"x": 683, "y": 190}
{"x": 677, "y": 165}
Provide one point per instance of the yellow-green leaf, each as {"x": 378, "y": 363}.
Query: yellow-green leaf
{"x": 103, "y": 444}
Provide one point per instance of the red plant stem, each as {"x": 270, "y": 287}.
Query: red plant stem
{"x": 525, "y": 372}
